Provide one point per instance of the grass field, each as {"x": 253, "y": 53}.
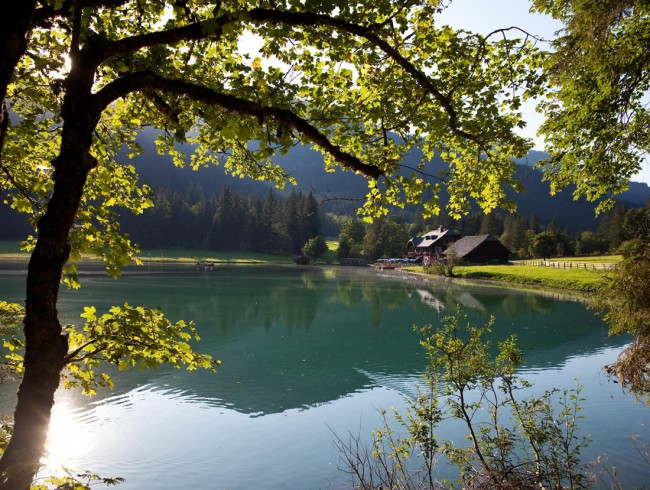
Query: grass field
{"x": 183, "y": 256}
{"x": 598, "y": 259}
{"x": 11, "y": 251}
{"x": 574, "y": 279}
{"x": 570, "y": 279}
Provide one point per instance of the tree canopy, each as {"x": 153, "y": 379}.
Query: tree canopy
{"x": 363, "y": 82}
{"x": 596, "y": 115}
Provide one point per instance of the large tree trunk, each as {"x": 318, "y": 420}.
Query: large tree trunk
{"x": 15, "y": 23}
{"x": 45, "y": 345}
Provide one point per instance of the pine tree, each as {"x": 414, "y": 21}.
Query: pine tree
{"x": 309, "y": 217}
{"x": 611, "y": 226}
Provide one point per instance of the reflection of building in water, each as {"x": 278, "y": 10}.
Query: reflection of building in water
{"x": 430, "y": 300}
{"x": 466, "y": 299}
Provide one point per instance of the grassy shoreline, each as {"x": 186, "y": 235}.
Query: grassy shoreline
{"x": 10, "y": 251}
{"x": 577, "y": 280}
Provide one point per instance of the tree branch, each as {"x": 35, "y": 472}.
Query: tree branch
{"x": 44, "y": 14}
{"x": 212, "y": 28}
{"x": 141, "y": 81}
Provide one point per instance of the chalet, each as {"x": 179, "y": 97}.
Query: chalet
{"x": 432, "y": 243}
{"x": 480, "y": 249}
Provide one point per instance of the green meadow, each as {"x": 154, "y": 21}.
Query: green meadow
{"x": 585, "y": 280}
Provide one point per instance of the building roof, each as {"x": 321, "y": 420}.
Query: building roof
{"x": 465, "y": 245}
{"x": 431, "y": 237}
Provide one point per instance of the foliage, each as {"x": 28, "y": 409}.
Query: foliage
{"x": 384, "y": 238}
{"x": 125, "y": 336}
{"x": 544, "y": 245}
{"x": 343, "y": 251}
{"x": 11, "y": 315}
{"x": 351, "y": 238}
{"x": 75, "y": 481}
{"x": 444, "y": 266}
{"x": 513, "y": 442}
{"x": 315, "y": 247}
{"x": 628, "y": 247}
{"x": 517, "y": 235}
{"x": 363, "y": 82}
{"x": 590, "y": 244}
{"x": 597, "y": 118}
{"x": 226, "y": 221}
{"x": 393, "y": 47}
{"x": 624, "y": 302}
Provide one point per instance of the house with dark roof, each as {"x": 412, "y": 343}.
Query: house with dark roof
{"x": 431, "y": 244}
{"x": 479, "y": 249}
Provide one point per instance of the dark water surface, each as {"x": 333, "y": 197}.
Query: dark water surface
{"x": 307, "y": 353}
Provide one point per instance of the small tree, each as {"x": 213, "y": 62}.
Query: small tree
{"x": 444, "y": 265}
{"x": 351, "y": 238}
{"x": 315, "y": 247}
{"x": 343, "y": 250}
{"x": 513, "y": 442}
{"x": 544, "y": 245}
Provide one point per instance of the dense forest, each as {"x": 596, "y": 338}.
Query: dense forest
{"x": 211, "y": 210}
{"x": 276, "y": 223}
{"x": 227, "y": 221}
{"x": 282, "y": 222}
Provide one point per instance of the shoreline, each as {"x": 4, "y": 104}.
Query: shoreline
{"x": 550, "y": 291}
{"x": 200, "y": 260}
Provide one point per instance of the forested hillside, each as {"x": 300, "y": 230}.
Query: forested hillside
{"x": 229, "y": 221}
{"x": 208, "y": 209}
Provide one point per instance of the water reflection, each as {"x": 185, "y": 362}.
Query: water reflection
{"x": 303, "y": 351}
{"x": 292, "y": 338}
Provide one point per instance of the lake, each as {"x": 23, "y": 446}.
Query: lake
{"x": 307, "y": 353}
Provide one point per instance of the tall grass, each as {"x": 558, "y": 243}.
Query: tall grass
{"x": 573, "y": 279}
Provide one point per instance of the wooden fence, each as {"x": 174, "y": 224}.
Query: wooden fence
{"x": 567, "y": 264}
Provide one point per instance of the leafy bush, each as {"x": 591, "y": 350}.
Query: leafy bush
{"x": 513, "y": 442}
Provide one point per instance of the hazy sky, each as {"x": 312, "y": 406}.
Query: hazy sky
{"x": 485, "y": 16}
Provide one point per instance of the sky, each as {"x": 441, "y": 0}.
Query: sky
{"x": 485, "y": 16}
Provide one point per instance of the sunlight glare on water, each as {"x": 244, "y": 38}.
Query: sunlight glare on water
{"x": 66, "y": 440}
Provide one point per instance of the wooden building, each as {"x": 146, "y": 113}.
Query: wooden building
{"x": 479, "y": 249}
{"x": 431, "y": 244}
